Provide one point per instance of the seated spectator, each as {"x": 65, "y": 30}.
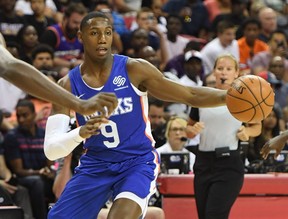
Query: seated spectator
{"x": 195, "y": 19}
{"x": 174, "y": 41}
{"x": 10, "y": 22}
{"x": 193, "y": 69}
{"x": 270, "y": 128}
{"x": 236, "y": 16}
{"x": 249, "y": 44}
{"x": 277, "y": 47}
{"x": 146, "y": 20}
{"x": 63, "y": 37}
{"x": 38, "y": 19}
{"x": 139, "y": 39}
{"x": 27, "y": 38}
{"x": 176, "y": 138}
{"x": 268, "y": 19}
{"x": 176, "y": 64}
{"x": 24, "y": 151}
{"x": 156, "y": 116}
{"x": 10, "y": 192}
{"x": 225, "y": 42}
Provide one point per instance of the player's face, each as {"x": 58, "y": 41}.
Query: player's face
{"x": 225, "y": 72}
{"x": 97, "y": 37}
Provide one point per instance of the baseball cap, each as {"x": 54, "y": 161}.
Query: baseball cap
{"x": 192, "y": 54}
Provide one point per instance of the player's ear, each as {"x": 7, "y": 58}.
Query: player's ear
{"x": 79, "y": 34}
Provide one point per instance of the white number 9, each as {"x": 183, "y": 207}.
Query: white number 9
{"x": 113, "y": 133}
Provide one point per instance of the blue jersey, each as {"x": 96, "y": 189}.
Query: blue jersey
{"x": 128, "y": 133}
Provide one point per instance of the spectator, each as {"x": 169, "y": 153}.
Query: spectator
{"x": 225, "y": 42}
{"x": 42, "y": 59}
{"x": 175, "y": 65}
{"x": 270, "y": 129}
{"x": 156, "y": 116}
{"x": 277, "y": 47}
{"x": 145, "y": 19}
{"x": 174, "y": 41}
{"x": 274, "y": 75}
{"x": 236, "y": 16}
{"x": 249, "y": 44}
{"x": 25, "y": 156}
{"x": 10, "y": 22}
{"x": 27, "y": 38}
{"x": 9, "y": 188}
{"x": 268, "y": 19}
{"x": 195, "y": 19}
{"x": 63, "y": 37}
{"x": 11, "y": 93}
{"x": 175, "y": 133}
{"x": 193, "y": 69}
{"x": 38, "y": 19}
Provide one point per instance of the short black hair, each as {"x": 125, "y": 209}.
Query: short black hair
{"x": 224, "y": 25}
{"x": 91, "y": 15}
{"x": 26, "y": 103}
{"x": 248, "y": 21}
{"x": 278, "y": 31}
{"x": 41, "y": 48}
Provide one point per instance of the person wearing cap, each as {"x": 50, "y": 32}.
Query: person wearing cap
{"x": 193, "y": 70}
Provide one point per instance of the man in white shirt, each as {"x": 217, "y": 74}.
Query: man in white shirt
{"x": 225, "y": 42}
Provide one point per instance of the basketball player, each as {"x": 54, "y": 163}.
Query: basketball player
{"x": 218, "y": 169}
{"x": 120, "y": 162}
{"x": 34, "y": 82}
{"x": 277, "y": 143}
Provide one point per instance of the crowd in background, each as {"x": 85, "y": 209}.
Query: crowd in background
{"x": 181, "y": 38}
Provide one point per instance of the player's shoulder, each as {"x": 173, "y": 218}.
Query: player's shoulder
{"x": 137, "y": 64}
{"x": 65, "y": 82}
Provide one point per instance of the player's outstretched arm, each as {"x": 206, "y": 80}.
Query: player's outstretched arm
{"x": 277, "y": 143}
{"x": 150, "y": 78}
{"x": 29, "y": 79}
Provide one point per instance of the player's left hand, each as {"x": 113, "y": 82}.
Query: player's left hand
{"x": 92, "y": 126}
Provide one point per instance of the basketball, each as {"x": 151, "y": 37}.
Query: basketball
{"x": 250, "y": 99}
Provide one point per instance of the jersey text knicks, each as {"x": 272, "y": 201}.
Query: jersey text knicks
{"x": 125, "y": 105}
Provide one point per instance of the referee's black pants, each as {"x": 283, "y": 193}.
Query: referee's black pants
{"x": 217, "y": 183}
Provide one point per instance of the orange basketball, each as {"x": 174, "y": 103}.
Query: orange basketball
{"x": 250, "y": 98}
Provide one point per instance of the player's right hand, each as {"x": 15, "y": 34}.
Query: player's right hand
{"x": 277, "y": 143}
{"x": 92, "y": 126}
{"x": 105, "y": 103}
